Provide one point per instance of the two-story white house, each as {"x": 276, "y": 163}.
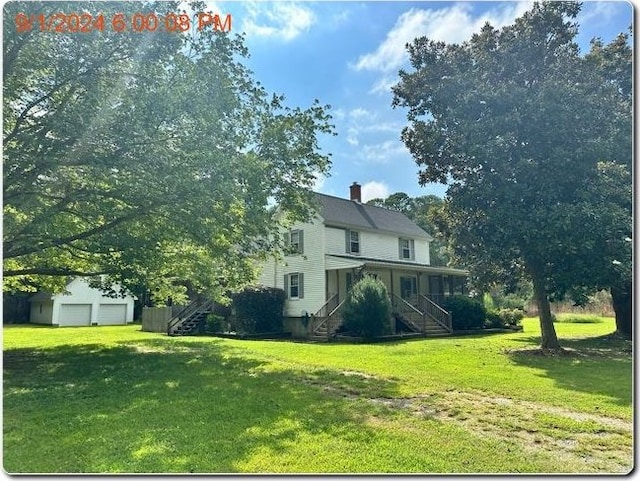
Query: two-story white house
{"x": 348, "y": 239}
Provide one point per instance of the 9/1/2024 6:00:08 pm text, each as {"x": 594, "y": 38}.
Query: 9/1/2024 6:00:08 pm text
{"x": 119, "y": 22}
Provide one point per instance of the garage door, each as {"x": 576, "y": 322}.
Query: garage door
{"x": 109, "y": 314}
{"x": 75, "y": 315}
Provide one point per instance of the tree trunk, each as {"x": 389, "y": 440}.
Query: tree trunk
{"x": 549, "y": 338}
{"x": 622, "y": 300}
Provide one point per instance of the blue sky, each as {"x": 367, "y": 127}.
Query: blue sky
{"x": 347, "y": 54}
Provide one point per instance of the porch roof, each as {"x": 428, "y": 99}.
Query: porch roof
{"x": 334, "y": 261}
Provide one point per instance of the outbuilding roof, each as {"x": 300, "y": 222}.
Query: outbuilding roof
{"x": 349, "y": 213}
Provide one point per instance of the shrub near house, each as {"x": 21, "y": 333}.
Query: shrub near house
{"x": 367, "y": 310}
{"x": 466, "y": 313}
{"x": 258, "y": 310}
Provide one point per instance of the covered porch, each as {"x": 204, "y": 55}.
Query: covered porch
{"x": 416, "y": 291}
{"x": 403, "y": 279}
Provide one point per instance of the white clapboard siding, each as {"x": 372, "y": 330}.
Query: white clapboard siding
{"x": 376, "y": 245}
{"x": 310, "y": 263}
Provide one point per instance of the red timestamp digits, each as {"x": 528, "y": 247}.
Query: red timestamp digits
{"x": 150, "y": 22}
{"x": 60, "y": 22}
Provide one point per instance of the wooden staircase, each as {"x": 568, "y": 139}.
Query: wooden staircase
{"x": 191, "y": 320}
{"x": 327, "y": 320}
{"x": 423, "y": 316}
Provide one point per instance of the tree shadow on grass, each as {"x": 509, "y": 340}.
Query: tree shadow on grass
{"x": 599, "y": 365}
{"x": 165, "y": 406}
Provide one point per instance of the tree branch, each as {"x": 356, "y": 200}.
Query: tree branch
{"x": 9, "y": 253}
{"x": 52, "y": 271}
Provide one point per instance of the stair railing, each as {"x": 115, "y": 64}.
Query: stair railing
{"x": 436, "y": 312}
{"x": 403, "y": 306}
{"x": 320, "y": 316}
{"x": 328, "y": 306}
{"x": 329, "y": 320}
{"x": 188, "y": 311}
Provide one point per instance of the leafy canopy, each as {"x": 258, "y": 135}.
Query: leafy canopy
{"x": 518, "y": 123}
{"x": 151, "y": 158}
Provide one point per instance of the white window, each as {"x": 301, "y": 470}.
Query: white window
{"x": 294, "y": 285}
{"x": 294, "y": 242}
{"x": 407, "y": 249}
{"x": 353, "y": 242}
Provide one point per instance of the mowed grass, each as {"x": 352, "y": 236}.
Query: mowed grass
{"x": 118, "y": 400}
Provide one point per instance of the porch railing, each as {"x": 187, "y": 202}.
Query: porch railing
{"x": 435, "y": 312}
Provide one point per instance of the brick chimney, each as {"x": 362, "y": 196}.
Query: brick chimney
{"x": 356, "y": 192}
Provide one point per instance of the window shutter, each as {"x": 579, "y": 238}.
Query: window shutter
{"x": 399, "y": 248}
{"x": 413, "y": 250}
{"x": 301, "y": 241}
{"x": 347, "y": 241}
{"x": 286, "y": 286}
{"x": 300, "y": 285}
{"x": 286, "y": 239}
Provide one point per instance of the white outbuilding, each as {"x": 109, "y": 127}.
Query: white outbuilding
{"x": 81, "y": 305}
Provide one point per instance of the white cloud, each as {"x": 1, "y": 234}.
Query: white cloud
{"x": 394, "y": 127}
{"x": 373, "y": 190}
{"x": 454, "y": 24}
{"x": 599, "y": 11}
{"x": 358, "y": 113}
{"x": 340, "y": 18}
{"x": 383, "y": 152}
{"x": 359, "y": 121}
{"x": 391, "y": 53}
{"x": 338, "y": 114}
{"x": 282, "y": 20}
{"x": 384, "y": 83}
{"x": 211, "y": 6}
{"x": 352, "y": 136}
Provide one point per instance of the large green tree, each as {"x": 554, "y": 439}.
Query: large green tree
{"x": 149, "y": 157}
{"x": 517, "y": 122}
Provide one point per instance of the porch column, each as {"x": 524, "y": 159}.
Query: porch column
{"x": 391, "y": 276}
{"x": 326, "y": 285}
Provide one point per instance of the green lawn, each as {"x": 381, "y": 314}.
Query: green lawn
{"x": 118, "y": 400}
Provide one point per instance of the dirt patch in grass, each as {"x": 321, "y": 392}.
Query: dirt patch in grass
{"x": 348, "y": 384}
{"x": 598, "y": 443}
{"x": 610, "y": 353}
{"x": 595, "y": 443}
{"x": 602, "y": 352}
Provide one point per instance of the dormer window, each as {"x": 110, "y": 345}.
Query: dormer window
{"x": 407, "y": 249}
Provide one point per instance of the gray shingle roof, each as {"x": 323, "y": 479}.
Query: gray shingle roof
{"x": 348, "y": 213}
